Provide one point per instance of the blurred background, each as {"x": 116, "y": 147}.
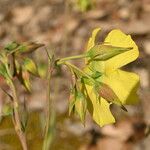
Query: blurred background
{"x": 64, "y": 26}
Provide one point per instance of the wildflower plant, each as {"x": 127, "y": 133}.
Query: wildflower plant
{"x": 98, "y": 84}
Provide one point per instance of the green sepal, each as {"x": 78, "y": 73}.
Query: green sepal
{"x": 103, "y": 52}
{"x": 24, "y": 78}
{"x": 30, "y": 66}
{"x": 87, "y": 81}
{"x": 81, "y": 105}
{"x": 72, "y": 100}
{"x": 78, "y": 103}
{"x": 109, "y": 95}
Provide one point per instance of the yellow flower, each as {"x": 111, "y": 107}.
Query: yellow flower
{"x": 123, "y": 83}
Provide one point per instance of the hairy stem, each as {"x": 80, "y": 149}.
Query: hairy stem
{"x": 16, "y": 118}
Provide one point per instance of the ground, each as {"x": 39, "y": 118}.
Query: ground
{"x": 64, "y": 29}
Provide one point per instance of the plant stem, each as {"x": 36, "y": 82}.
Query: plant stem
{"x": 71, "y": 58}
{"x": 50, "y": 113}
{"x": 16, "y": 117}
{"x": 82, "y": 72}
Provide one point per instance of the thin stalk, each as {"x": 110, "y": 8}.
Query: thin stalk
{"x": 60, "y": 61}
{"x": 82, "y": 72}
{"x": 50, "y": 115}
{"x": 16, "y": 118}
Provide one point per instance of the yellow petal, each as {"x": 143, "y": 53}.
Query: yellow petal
{"x": 118, "y": 38}
{"x": 124, "y": 84}
{"x": 101, "y": 112}
{"x": 91, "y": 41}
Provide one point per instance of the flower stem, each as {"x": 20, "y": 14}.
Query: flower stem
{"x": 60, "y": 61}
{"x": 82, "y": 72}
{"x": 16, "y": 117}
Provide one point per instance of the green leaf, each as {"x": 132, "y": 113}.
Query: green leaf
{"x": 30, "y": 66}
{"x": 103, "y": 52}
